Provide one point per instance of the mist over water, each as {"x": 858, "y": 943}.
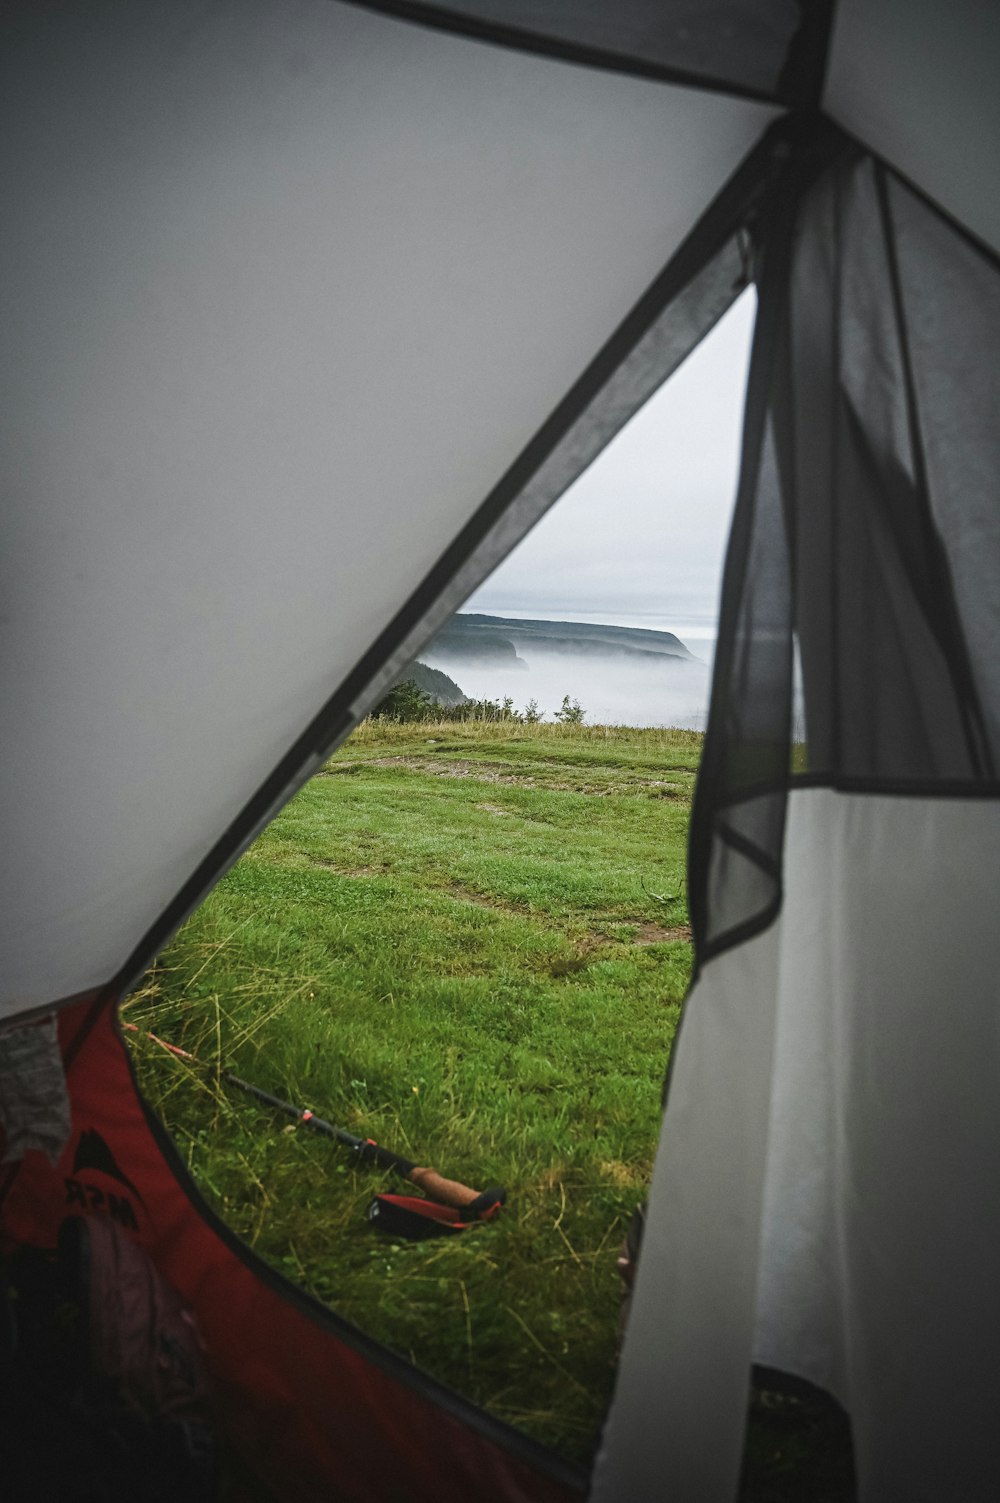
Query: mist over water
{"x": 612, "y": 688}
{"x": 637, "y": 540}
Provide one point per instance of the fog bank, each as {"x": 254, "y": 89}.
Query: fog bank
{"x": 613, "y": 689}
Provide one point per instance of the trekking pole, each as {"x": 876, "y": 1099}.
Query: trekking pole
{"x": 474, "y": 1205}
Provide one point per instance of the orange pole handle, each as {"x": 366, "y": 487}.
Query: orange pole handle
{"x": 447, "y": 1192}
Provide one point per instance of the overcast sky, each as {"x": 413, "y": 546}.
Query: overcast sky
{"x": 643, "y": 530}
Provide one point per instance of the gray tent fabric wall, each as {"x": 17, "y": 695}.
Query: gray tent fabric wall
{"x": 829, "y": 1207}
{"x": 288, "y": 289}
{"x": 311, "y": 310}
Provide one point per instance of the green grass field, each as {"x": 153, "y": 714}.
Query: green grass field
{"x": 470, "y": 943}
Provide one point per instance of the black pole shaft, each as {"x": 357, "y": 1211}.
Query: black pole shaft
{"x": 367, "y": 1151}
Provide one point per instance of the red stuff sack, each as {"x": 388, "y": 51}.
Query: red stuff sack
{"x": 143, "y": 1370}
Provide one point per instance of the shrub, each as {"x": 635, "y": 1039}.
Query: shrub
{"x": 406, "y": 702}
{"x": 570, "y": 713}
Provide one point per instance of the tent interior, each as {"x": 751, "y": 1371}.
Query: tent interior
{"x": 311, "y": 311}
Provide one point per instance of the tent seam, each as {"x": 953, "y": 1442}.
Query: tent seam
{"x": 518, "y": 39}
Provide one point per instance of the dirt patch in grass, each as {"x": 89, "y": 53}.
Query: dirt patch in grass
{"x": 646, "y": 932}
{"x": 347, "y": 871}
{"x": 483, "y": 900}
{"x": 656, "y": 934}
{"x": 484, "y": 772}
{"x": 489, "y": 772}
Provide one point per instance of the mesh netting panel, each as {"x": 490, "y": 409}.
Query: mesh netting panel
{"x": 891, "y": 354}
{"x": 951, "y": 299}
{"x": 867, "y": 530}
